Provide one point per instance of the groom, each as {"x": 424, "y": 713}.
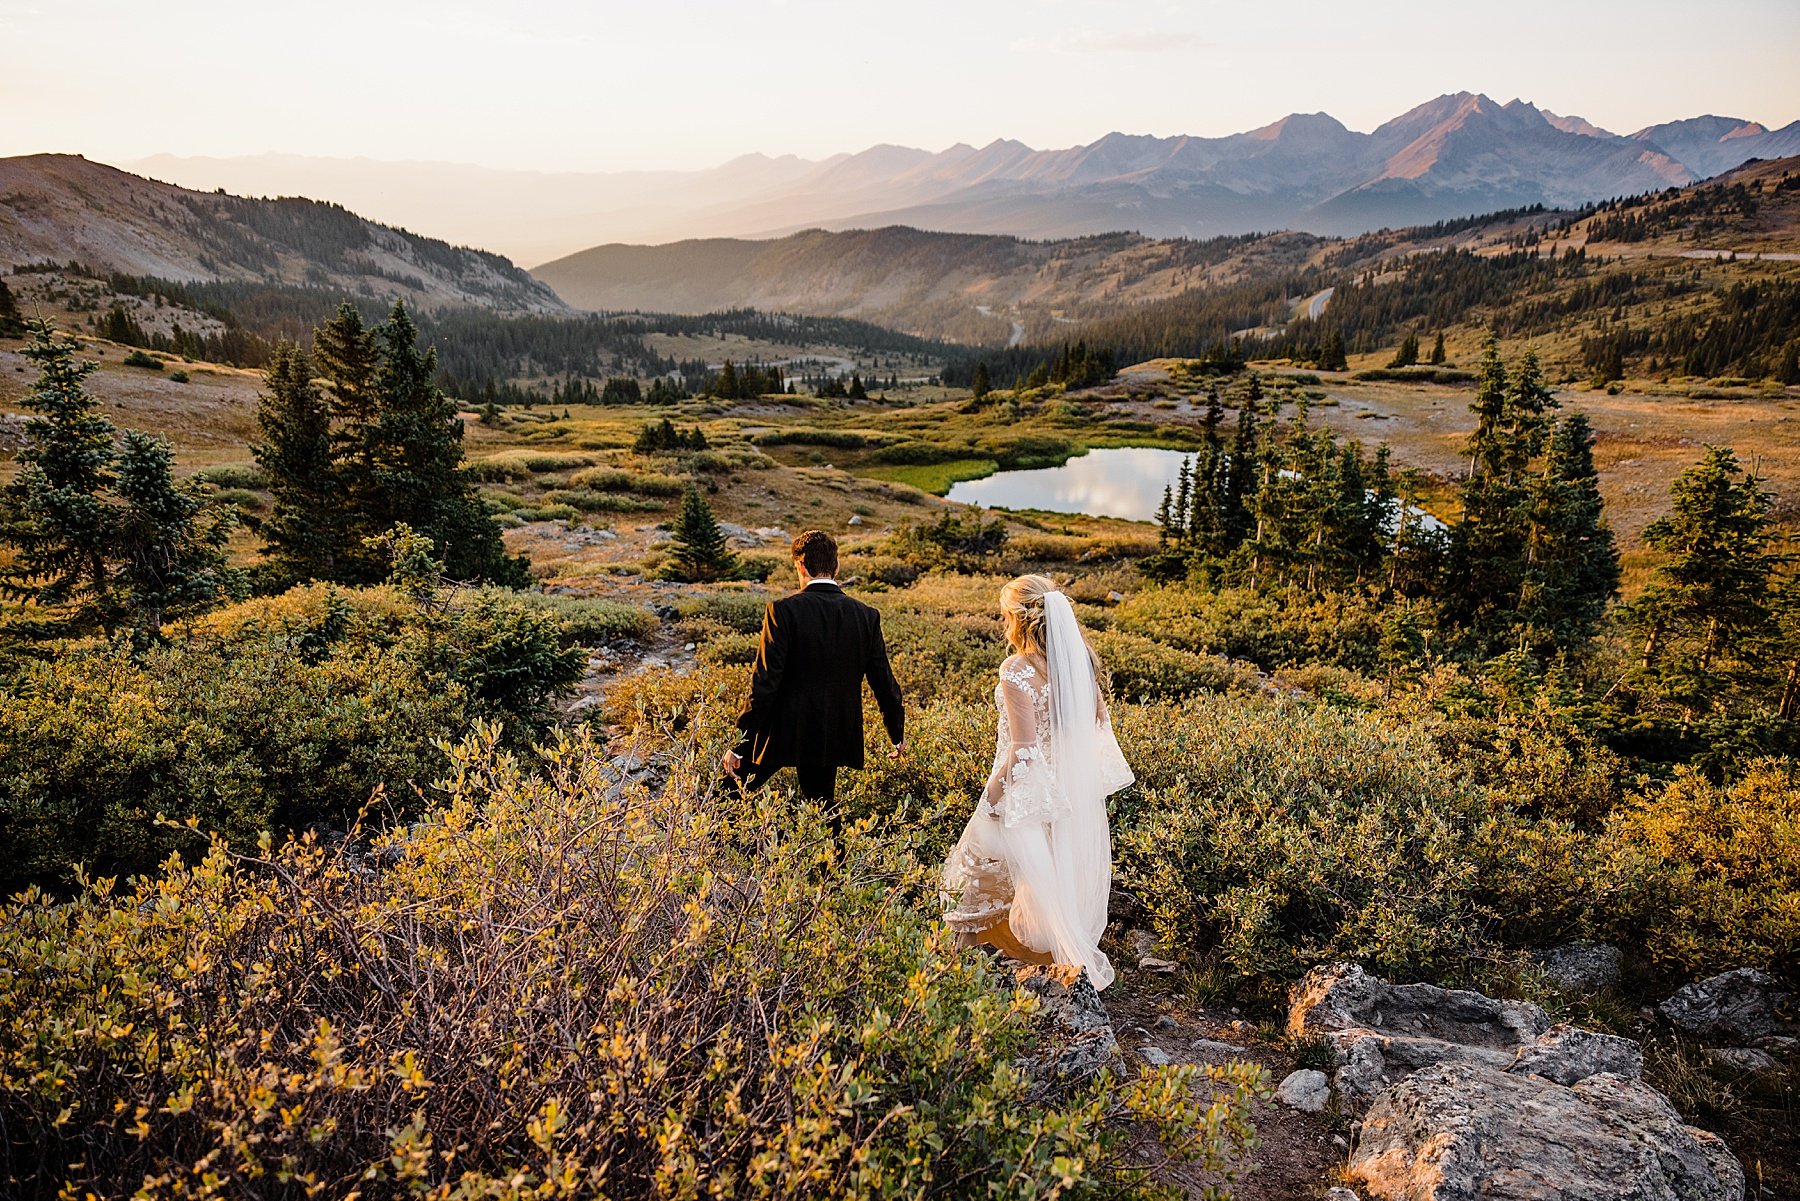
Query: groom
{"x": 805, "y": 706}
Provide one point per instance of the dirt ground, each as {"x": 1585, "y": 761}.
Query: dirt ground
{"x": 1298, "y": 1155}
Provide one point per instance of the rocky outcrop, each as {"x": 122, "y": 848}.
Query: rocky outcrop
{"x": 1079, "y": 1039}
{"x": 1457, "y": 1131}
{"x": 1380, "y": 1032}
{"x": 1467, "y": 1096}
{"x": 1741, "y": 1006}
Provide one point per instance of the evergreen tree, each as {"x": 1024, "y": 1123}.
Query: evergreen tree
{"x": 1488, "y": 546}
{"x": 420, "y": 478}
{"x": 304, "y": 535}
{"x": 700, "y": 552}
{"x": 346, "y": 356}
{"x": 170, "y": 544}
{"x": 11, "y": 325}
{"x": 981, "y": 387}
{"x": 1711, "y": 595}
{"x": 1572, "y": 565}
{"x": 1240, "y": 479}
{"x": 1438, "y": 358}
{"x": 1408, "y": 354}
{"x": 1787, "y": 373}
{"x": 57, "y": 517}
{"x": 856, "y": 390}
{"x": 1331, "y": 354}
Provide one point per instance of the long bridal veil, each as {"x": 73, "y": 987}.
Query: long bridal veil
{"x": 1062, "y": 867}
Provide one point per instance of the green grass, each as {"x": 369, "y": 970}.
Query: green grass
{"x": 935, "y": 478}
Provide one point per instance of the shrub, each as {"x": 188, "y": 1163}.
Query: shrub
{"x": 589, "y": 501}
{"x": 735, "y": 610}
{"x": 1330, "y": 628}
{"x": 578, "y": 989}
{"x": 1145, "y": 670}
{"x": 235, "y": 475}
{"x": 956, "y": 540}
{"x": 1280, "y": 836}
{"x": 178, "y": 377}
{"x": 587, "y": 621}
{"x": 138, "y": 358}
{"x": 277, "y": 713}
{"x": 613, "y": 479}
{"x": 1728, "y": 866}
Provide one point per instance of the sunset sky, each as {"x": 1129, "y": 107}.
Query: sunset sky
{"x": 564, "y": 85}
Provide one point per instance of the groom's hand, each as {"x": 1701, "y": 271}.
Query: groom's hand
{"x": 731, "y": 763}
{"x": 897, "y": 750}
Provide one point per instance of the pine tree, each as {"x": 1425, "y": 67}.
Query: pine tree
{"x": 57, "y": 517}
{"x": 420, "y": 478}
{"x": 1165, "y": 517}
{"x": 170, "y": 547}
{"x": 1711, "y": 595}
{"x": 304, "y": 536}
{"x": 1408, "y": 354}
{"x": 857, "y": 390}
{"x": 980, "y": 387}
{"x": 11, "y": 325}
{"x": 1787, "y": 373}
{"x": 1240, "y": 479}
{"x": 700, "y": 552}
{"x": 1438, "y": 358}
{"x": 1488, "y": 546}
{"x": 1331, "y": 354}
{"x": 1572, "y": 564}
{"x": 346, "y": 356}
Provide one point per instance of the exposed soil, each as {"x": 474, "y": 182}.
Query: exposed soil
{"x": 1298, "y": 1155}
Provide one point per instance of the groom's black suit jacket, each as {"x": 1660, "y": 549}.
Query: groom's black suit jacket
{"x": 805, "y": 706}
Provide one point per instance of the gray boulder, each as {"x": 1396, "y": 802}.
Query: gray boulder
{"x": 1568, "y": 1055}
{"x": 1305, "y": 1090}
{"x": 1462, "y": 1131}
{"x": 1737, "y": 1006}
{"x": 1748, "y": 1060}
{"x": 1379, "y": 1032}
{"x": 1581, "y": 966}
{"x": 1078, "y": 1034}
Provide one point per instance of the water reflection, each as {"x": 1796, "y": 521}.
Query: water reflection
{"x": 1126, "y": 482}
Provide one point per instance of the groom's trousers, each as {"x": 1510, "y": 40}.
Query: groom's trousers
{"x": 818, "y": 783}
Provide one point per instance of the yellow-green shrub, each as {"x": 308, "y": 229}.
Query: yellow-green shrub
{"x": 1728, "y": 860}
{"x": 552, "y": 987}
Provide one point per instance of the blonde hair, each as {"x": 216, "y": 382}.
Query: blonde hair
{"x": 1022, "y": 608}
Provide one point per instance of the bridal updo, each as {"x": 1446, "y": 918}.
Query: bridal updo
{"x": 1022, "y": 608}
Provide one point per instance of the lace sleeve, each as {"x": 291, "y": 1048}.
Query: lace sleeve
{"x": 1021, "y": 788}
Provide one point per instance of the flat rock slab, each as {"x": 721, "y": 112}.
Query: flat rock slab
{"x": 1468, "y": 1132}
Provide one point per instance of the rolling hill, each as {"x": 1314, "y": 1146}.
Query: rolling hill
{"x": 64, "y": 208}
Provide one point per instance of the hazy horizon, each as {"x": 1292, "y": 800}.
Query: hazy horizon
{"x": 559, "y": 87}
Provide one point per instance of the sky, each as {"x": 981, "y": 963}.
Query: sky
{"x": 563, "y": 85}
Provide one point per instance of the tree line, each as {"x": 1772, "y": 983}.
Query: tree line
{"x": 1530, "y": 563}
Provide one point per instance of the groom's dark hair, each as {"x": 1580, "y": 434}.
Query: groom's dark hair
{"x": 817, "y": 552}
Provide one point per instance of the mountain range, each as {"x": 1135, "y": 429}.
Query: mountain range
{"x": 1454, "y": 156}
{"x": 59, "y": 208}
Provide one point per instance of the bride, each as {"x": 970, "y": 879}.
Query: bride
{"x": 1034, "y": 866}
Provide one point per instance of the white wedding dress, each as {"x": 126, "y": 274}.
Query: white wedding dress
{"x": 1037, "y": 853}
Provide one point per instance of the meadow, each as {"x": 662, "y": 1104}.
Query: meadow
{"x": 432, "y": 890}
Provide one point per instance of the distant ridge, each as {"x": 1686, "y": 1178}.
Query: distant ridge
{"x": 62, "y": 208}
{"x": 1453, "y": 156}
{"x": 987, "y": 288}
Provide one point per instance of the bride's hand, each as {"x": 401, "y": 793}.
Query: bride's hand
{"x": 731, "y": 763}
